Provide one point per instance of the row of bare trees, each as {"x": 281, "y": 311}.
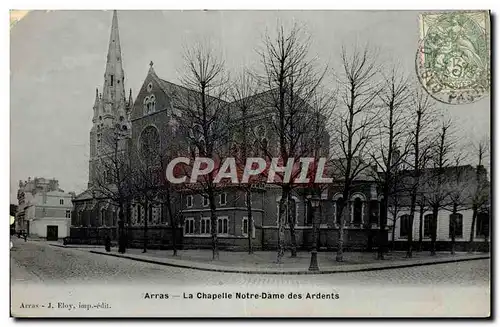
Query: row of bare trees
{"x": 377, "y": 123}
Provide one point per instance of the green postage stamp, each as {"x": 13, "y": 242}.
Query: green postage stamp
{"x": 453, "y": 58}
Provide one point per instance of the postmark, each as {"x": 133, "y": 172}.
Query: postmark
{"x": 453, "y": 57}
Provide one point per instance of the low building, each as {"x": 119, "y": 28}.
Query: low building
{"x": 457, "y": 194}
{"x": 44, "y": 209}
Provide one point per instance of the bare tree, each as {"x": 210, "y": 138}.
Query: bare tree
{"x": 441, "y": 158}
{"x": 146, "y": 176}
{"x": 422, "y": 205}
{"x": 393, "y": 142}
{"x": 355, "y": 127}
{"x": 112, "y": 180}
{"x": 244, "y": 102}
{"x": 170, "y": 201}
{"x": 204, "y": 117}
{"x": 480, "y": 196}
{"x": 422, "y": 113}
{"x": 291, "y": 79}
{"x": 397, "y": 194}
{"x": 460, "y": 195}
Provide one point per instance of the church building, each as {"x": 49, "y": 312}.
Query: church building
{"x": 127, "y": 127}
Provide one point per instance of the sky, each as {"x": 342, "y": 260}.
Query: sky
{"x": 57, "y": 59}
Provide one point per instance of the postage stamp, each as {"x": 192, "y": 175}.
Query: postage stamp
{"x": 453, "y": 58}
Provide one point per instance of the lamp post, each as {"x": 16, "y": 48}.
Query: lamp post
{"x": 313, "y": 266}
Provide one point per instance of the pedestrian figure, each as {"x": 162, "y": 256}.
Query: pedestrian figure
{"x": 107, "y": 243}
{"x": 25, "y": 235}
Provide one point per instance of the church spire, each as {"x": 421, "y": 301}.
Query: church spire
{"x": 96, "y": 105}
{"x": 114, "y": 90}
{"x": 130, "y": 102}
{"x": 96, "y": 101}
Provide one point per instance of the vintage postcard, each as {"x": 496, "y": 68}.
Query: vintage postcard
{"x": 213, "y": 163}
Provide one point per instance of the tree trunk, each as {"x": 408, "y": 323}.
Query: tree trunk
{"x": 146, "y": 211}
{"x": 121, "y": 225}
{"x": 213, "y": 224}
{"x": 453, "y": 223}
{"x": 409, "y": 251}
{"x": 470, "y": 247}
{"x": 421, "y": 229}
{"x": 249, "y": 220}
{"x": 340, "y": 244}
{"x": 393, "y": 233}
{"x": 435, "y": 211}
{"x": 291, "y": 225}
{"x": 382, "y": 234}
{"x": 281, "y": 228}
{"x": 172, "y": 222}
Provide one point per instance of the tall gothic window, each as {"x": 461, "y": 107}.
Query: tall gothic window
{"x": 338, "y": 206}
{"x": 357, "y": 211}
{"x": 149, "y": 145}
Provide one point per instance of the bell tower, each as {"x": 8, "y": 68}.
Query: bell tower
{"x": 110, "y": 121}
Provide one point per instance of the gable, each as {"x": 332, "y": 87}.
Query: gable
{"x": 150, "y": 99}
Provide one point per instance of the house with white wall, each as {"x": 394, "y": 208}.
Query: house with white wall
{"x": 44, "y": 209}
{"x": 461, "y": 192}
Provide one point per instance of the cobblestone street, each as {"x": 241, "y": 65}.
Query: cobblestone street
{"x": 40, "y": 262}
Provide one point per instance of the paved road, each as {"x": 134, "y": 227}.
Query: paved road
{"x": 39, "y": 262}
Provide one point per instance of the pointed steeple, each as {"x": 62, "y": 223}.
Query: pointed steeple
{"x": 96, "y": 105}
{"x": 96, "y": 97}
{"x": 130, "y": 101}
{"x": 114, "y": 90}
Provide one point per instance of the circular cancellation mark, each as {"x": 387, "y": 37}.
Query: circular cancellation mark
{"x": 453, "y": 60}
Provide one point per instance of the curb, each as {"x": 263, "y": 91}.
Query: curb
{"x": 75, "y": 247}
{"x": 305, "y": 272}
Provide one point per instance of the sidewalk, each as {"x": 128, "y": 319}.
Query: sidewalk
{"x": 262, "y": 262}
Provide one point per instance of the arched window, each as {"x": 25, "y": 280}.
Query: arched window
{"x": 309, "y": 213}
{"x": 149, "y": 142}
{"x": 374, "y": 212}
{"x": 152, "y": 103}
{"x": 139, "y": 214}
{"x": 149, "y": 103}
{"x": 338, "y": 210}
{"x": 483, "y": 224}
{"x": 357, "y": 205}
{"x": 404, "y": 225}
{"x": 456, "y": 225}
{"x": 145, "y": 103}
{"x": 103, "y": 217}
{"x": 291, "y": 211}
{"x": 427, "y": 225}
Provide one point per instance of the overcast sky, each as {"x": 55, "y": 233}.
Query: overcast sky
{"x": 58, "y": 59}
